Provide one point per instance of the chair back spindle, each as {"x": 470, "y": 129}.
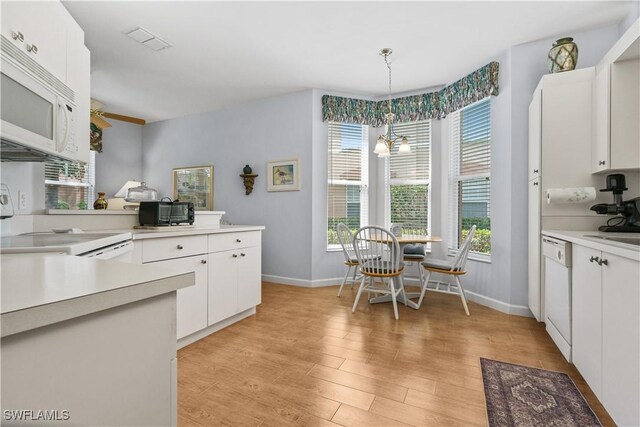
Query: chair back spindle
{"x": 345, "y": 237}
{"x": 461, "y": 257}
{"x": 377, "y": 250}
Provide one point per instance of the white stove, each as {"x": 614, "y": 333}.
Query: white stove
{"x": 95, "y": 245}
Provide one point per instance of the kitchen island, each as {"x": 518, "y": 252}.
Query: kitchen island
{"x": 88, "y": 342}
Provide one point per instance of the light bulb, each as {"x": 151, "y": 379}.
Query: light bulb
{"x": 404, "y": 146}
{"x": 384, "y": 153}
{"x": 380, "y": 146}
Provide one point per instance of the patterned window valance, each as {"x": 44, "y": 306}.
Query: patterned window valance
{"x": 433, "y": 105}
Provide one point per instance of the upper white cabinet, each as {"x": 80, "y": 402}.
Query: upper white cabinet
{"x": 616, "y": 106}
{"x": 535, "y": 134}
{"x": 39, "y": 30}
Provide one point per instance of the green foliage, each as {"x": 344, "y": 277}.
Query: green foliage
{"x": 332, "y": 234}
{"x": 409, "y": 204}
{"x": 481, "y": 240}
{"x": 481, "y": 223}
{"x": 82, "y": 204}
{"x": 63, "y": 205}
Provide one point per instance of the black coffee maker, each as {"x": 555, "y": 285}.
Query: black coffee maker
{"x": 628, "y": 220}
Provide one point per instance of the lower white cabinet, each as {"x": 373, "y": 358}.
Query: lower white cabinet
{"x": 228, "y": 281}
{"x": 234, "y": 282}
{"x": 191, "y": 308}
{"x": 606, "y": 329}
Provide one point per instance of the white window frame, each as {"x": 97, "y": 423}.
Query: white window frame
{"x": 454, "y": 180}
{"x": 363, "y": 183}
{"x": 388, "y": 181}
{"x": 90, "y": 184}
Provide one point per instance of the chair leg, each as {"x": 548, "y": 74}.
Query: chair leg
{"x": 423, "y": 291}
{"x": 393, "y": 297}
{"x": 402, "y": 290}
{"x": 355, "y": 303}
{"x": 355, "y": 273}
{"x": 345, "y": 280}
{"x": 462, "y": 295}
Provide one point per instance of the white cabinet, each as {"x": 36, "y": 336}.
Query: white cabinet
{"x": 616, "y": 106}
{"x": 39, "y": 31}
{"x": 234, "y": 282}
{"x": 79, "y": 80}
{"x": 586, "y": 329}
{"x": 536, "y": 293}
{"x": 191, "y": 307}
{"x": 535, "y": 135}
{"x": 228, "y": 275}
{"x": 606, "y": 329}
{"x": 621, "y": 339}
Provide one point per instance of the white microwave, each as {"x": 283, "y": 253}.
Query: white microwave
{"x": 37, "y": 120}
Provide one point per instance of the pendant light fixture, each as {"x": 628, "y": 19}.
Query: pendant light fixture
{"x": 386, "y": 141}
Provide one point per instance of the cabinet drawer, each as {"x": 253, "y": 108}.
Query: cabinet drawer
{"x": 173, "y": 247}
{"x": 229, "y": 241}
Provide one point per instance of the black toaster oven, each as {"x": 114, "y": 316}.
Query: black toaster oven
{"x": 165, "y": 213}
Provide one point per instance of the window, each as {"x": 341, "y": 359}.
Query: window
{"x": 69, "y": 185}
{"x": 470, "y": 176}
{"x": 348, "y": 178}
{"x": 407, "y": 179}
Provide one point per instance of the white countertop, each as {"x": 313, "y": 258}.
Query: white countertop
{"x": 177, "y": 230}
{"x": 41, "y": 289}
{"x": 586, "y": 238}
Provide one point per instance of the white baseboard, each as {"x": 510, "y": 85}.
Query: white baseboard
{"x": 304, "y": 283}
{"x": 517, "y": 310}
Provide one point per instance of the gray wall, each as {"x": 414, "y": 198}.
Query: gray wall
{"x": 272, "y": 129}
{"x": 121, "y": 157}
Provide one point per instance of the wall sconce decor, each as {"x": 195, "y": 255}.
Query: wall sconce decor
{"x": 248, "y": 178}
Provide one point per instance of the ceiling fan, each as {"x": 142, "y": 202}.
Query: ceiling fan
{"x": 98, "y": 114}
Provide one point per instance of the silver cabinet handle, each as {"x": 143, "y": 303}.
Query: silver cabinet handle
{"x": 204, "y": 261}
{"x": 535, "y": 183}
{"x": 241, "y": 254}
{"x": 32, "y": 48}
{"x": 535, "y": 171}
{"x": 235, "y": 255}
{"x": 238, "y": 240}
{"x": 17, "y": 36}
{"x": 180, "y": 247}
{"x": 603, "y": 262}
{"x": 594, "y": 259}
{"x": 601, "y": 163}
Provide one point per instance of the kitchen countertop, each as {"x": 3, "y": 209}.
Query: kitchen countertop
{"x": 42, "y": 289}
{"x": 585, "y": 238}
{"x": 177, "y": 230}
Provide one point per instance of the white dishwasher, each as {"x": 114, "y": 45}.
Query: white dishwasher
{"x": 557, "y": 281}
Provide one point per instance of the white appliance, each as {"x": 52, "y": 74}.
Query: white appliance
{"x": 38, "y": 112}
{"x": 557, "y": 277}
{"x": 112, "y": 246}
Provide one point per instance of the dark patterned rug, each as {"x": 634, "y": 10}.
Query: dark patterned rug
{"x": 521, "y": 396}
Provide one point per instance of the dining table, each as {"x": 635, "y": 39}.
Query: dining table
{"x": 403, "y": 240}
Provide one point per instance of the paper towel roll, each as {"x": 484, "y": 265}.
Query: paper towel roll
{"x": 571, "y": 195}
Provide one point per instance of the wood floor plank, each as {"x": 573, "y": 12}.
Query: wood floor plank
{"x": 359, "y": 382}
{"x": 353, "y": 417}
{"x": 305, "y": 359}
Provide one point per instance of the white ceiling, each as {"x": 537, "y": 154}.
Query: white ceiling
{"x": 227, "y": 53}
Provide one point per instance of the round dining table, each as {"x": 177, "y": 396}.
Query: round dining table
{"x": 406, "y": 239}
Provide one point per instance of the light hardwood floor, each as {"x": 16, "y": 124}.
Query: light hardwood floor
{"x": 304, "y": 359}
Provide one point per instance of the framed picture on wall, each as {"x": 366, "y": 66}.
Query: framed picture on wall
{"x": 283, "y": 175}
{"x": 194, "y": 184}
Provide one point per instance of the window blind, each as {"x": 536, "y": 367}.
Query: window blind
{"x": 408, "y": 177}
{"x": 348, "y": 178}
{"x": 469, "y": 176}
{"x": 69, "y": 185}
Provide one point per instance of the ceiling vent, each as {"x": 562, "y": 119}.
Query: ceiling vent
{"x": 148, "y": 39}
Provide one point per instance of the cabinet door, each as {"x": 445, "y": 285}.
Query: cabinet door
{"x": 600, "y": 120}
{"x": 621, "y": 339}
{"x": 625, "y": 111}
{"x": 192, "y": 301}
{"x": 586, "y": 326}
{"x": 535, "y": 285}
{"x": 223, "y": 277}
{"x": 249, "y": 278}
{"x": 535, "y": 135}
{"x": 43, "y": 25}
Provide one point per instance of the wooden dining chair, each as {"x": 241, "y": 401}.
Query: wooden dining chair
{"x": 453, "y": 268}
{"x": 345, "y": 237}
{"x": 378, "y": 253}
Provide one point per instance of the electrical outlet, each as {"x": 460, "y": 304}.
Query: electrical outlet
{"x": 22, "y": 200}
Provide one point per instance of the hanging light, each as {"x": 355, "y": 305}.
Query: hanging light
{"x": 385, "y": 142}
